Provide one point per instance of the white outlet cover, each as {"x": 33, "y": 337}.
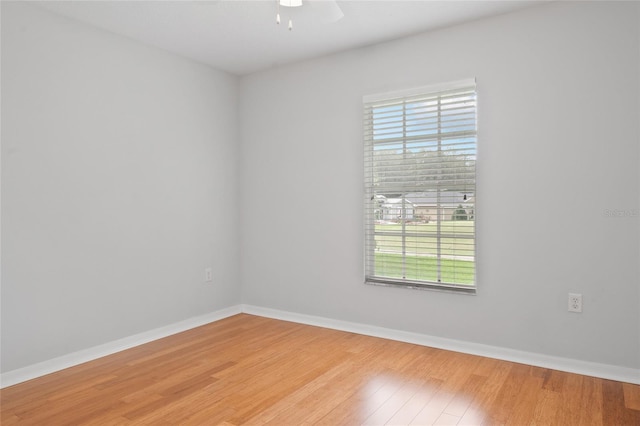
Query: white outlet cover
{"x": 575, "y": 302}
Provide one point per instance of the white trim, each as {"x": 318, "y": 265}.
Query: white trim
{"x": 432, "y": 88}
{"x": 604, "y": 371}
{"x": 56, "y": 364}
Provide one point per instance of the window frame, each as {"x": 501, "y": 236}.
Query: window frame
{"x": 372, "y": 213}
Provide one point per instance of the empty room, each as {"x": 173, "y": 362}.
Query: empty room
{"x": 326, "y": 212}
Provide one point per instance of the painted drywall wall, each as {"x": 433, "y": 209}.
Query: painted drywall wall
{"x": 119, "y": 186}
{"x": 558, "y": 183}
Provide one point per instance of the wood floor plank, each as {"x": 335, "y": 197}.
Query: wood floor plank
{"x": 507, "y": 396}
{"x": 589, "y": 412}
{"x": 546, "y": 409}
{"x": 249, "y": 370}
{"x": 434, "y": 408}
{"x": 631, "y": 396}
{"x": 614, "y": 410}
{"x": 446, "y": 420}
{"x": 570, "y": 401}
{"x": 525, "y": 404}
{"x": 496, "y": 373}
{"x": 359, "y": 404}
{"x": 392, "y": 405}
{"x": 554, "y": 380}
{"x": 464, "y": 396}
{"x": 425, "y": 390}
{"x": 317, "y": 399}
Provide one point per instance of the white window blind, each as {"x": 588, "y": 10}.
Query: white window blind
{"x": 420, "y": 187}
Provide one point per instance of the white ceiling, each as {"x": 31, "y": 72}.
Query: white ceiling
{"x": 241, "y": 36}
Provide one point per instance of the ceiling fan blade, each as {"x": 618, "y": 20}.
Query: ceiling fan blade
{"x": 326, "y": 10}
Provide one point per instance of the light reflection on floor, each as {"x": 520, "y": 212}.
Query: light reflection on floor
{"x": 393, "y": 398}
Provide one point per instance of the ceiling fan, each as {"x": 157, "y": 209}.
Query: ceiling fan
{"x": 326, "y": 10}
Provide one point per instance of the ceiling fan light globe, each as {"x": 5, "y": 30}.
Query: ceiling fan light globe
{"x": 291, "y": 3}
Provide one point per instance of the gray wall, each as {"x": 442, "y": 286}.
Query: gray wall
{"x": 122, "y": 165}
{"x": 119, "y": 186}
{"x": 558, "y": 137}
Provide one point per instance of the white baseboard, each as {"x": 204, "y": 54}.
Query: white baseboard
{"x": 40, "y": 369}
{"x": 604, "y": 371}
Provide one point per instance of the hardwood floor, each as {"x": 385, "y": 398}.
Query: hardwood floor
{"x": 253, "y": 370}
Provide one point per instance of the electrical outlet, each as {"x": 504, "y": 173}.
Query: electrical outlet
{"x": 208, "y": 274}
{"x": 575, "y": 302}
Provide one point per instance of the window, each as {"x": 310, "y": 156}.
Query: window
{"x": 420, "y": 187}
